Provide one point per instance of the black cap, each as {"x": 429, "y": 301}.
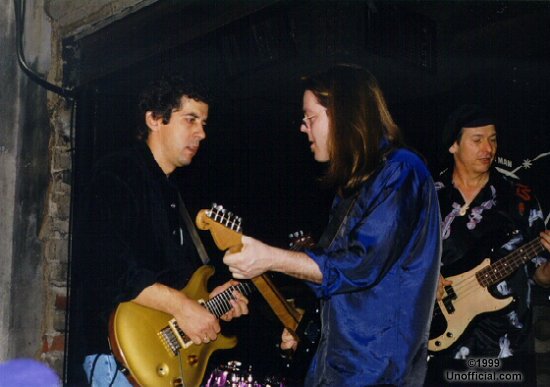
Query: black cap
{"x": 466, "y": 116}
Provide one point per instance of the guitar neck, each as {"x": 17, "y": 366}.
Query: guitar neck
{"x": 226, "y": 231}
{"x": 502, "y": 268}
{"x": 217, "y": 305}
{"x": 285, "y": 312}
{"x": 220, "y": 304}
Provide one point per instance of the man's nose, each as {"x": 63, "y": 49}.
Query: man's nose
{"x": 488, "y": 146}
{"x": 201, "y": 133}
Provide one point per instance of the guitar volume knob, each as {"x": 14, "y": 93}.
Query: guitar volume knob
{"x": 163, "y": 369}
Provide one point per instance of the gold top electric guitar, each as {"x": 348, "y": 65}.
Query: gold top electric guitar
{"x": 469, "y": 295}
{"x": 153, "y": 348}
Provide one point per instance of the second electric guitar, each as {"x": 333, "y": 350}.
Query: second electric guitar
{"x": 225, "y": 229}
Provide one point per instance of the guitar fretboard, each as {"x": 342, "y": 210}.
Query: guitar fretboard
{"x": 220, "y": 304}
{"x": 502, "y": 268}
{"x": 173, "y": 336}
{"x": 226, "y": 231}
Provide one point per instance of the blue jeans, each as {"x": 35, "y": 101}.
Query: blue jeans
{"x": 101, "y": 373}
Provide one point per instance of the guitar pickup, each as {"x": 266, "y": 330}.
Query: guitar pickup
{"x": 448, "y": 299}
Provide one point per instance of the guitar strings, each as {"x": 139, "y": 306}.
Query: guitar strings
{"x": 220, "y": 304}
{"x": 469, "y": 285}
{"x": 218, "y": 214}
{"x": 516, "y": 258}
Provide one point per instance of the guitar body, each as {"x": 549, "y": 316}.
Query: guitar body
{"x": 134, "y": 335}
{"x": 296, "y": 364}
{"x": 472, "y": 299}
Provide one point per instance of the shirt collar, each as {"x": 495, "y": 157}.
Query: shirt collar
{"x": 145, "y": 152}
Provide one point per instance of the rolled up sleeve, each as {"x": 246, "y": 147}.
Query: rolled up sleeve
{"x": 380, "y": 227}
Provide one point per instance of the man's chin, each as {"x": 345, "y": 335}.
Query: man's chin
{"x": 185, "y": 162}
{"x": 484, "y": 169}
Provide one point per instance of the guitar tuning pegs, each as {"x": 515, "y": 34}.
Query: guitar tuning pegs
{"x": 297, "y": 234}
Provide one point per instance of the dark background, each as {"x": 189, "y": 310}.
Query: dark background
{"x": 429, "y": 57}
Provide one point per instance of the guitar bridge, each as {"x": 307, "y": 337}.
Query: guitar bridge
{"x": 173, "y": 338}
{"x": 169, "y": 341}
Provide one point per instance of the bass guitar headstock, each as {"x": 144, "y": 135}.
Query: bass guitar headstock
{"x": 224, "y": 226}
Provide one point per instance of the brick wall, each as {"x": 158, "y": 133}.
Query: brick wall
{"x": 68, "y": 18}
{"x": 55, "y": 235}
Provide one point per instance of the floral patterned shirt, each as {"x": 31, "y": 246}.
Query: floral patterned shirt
{"x": 502, "y": 217}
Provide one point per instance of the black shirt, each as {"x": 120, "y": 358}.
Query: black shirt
{"x": 130, "y": 236}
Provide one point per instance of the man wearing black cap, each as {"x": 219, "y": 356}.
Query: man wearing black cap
{"x": 484, "y": 214}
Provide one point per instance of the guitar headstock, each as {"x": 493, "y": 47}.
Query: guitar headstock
{"x": 224, "y": 227}
{"x": 299, "y": 240}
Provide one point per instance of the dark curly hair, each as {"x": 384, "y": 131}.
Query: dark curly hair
{"x": 162, "y": 96}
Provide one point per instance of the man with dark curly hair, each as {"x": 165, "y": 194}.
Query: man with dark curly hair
{"x": 135, "y": 245}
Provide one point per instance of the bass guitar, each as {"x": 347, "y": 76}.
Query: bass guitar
{"x": 469, "y": 295}
{"x": 225, "y": 229}
{"x": 152, "y": 347}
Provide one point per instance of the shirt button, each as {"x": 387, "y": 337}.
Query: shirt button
{"x": 173, "y": 205}
{"x": 174, "y": 232}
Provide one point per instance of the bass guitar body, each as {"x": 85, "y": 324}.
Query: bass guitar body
{"x": 470, "y": 296}
{"x": 454, "y": 313}
{"x": 154, "y": 350}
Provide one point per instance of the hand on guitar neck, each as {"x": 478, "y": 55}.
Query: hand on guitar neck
{"x": 542, "y": 274}
{"x": 288, "y": 342}
{"x": 226, "y": 231}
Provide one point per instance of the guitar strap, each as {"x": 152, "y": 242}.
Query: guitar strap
{"x": 337, "y": 221}
{"x": 344, "y": 207}
{"x": 192, "y": 231}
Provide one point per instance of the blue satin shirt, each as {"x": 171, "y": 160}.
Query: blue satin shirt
{"x": 379, "y": 281}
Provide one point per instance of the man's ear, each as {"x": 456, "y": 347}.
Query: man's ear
{"x": 152, "y": 122}
{"x": 453, "y": 148}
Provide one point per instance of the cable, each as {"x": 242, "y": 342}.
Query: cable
{"x": 19, "y": 29}
{"x": 68, "y": 294}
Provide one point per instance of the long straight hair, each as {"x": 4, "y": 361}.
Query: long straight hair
{"x": 359, "y": 122}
